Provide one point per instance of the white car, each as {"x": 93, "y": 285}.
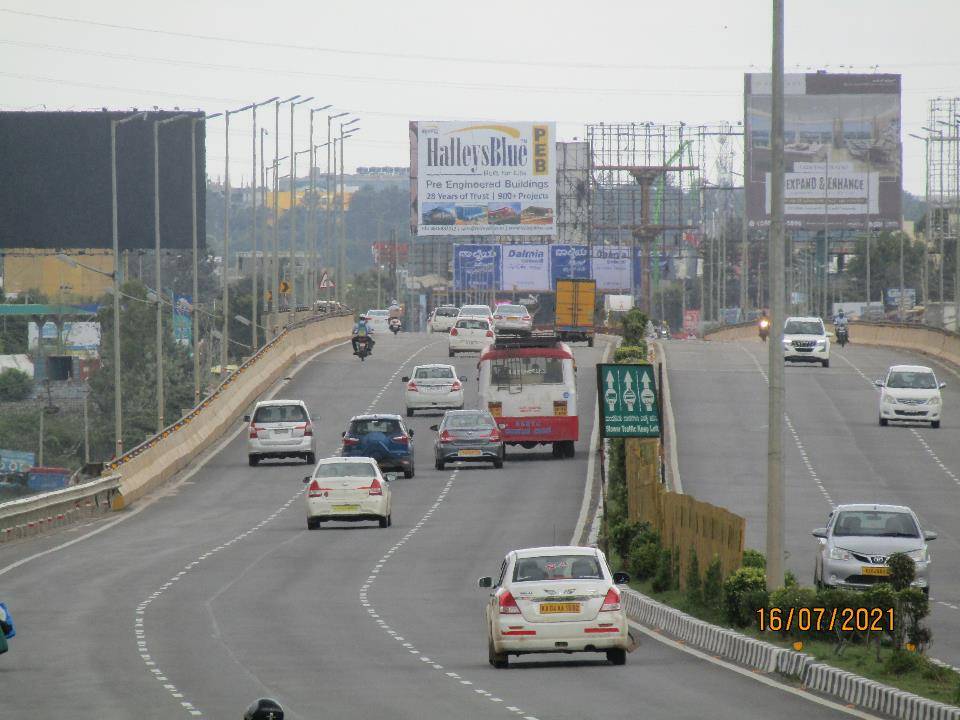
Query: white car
{"x": 476, "y": 311}
{"x": 378, "y": 321}
{"x": 280, "y": 429}
{"x": 443, "y": 318}
{"x": 910, "y": 393}
{"x": 348, "y": 489}
{"x": 805, "y": 340}
{"x": 469, "y": 334}
{"x": 513, "y": 319}
{"x": 555, "y": 600}
{"x": 433, "y": 387}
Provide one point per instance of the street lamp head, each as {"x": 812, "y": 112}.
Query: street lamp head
{"x": 304, "y": 100}
{"x": 242, "y": 320}
{"x": 289, "y": 99}
{"x": 350, "y": 122}
{"x": 338, "y": 115}
{"x": 318, "y": 109}
{"x": 62, "y": 257}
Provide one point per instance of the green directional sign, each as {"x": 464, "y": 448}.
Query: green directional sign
{"x": 627, "y": 396}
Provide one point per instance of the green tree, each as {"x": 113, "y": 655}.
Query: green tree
{"x": 885, "y": 265}
{"x": 15, "y": 385}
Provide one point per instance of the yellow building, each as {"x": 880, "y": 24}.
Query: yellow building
{"x": 28, "y": 269}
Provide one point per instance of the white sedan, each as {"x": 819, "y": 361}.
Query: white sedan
{"x": 513, "y": 319}
{"x": 555, "y": 600}
{"x": 349, "y": 489}
{"x": 469, "y": 334}
{"x": 433, "y": 387}
{"x": 378, "y": 321}
{"x": 443, "y": 318}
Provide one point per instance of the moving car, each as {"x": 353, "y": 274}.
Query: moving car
{"x": 280, "y": 429}
{"x": 443, "y": 318}
{"x": 859, "y": 539}
{"x": 910, "y": 393}
{"x": 470, "y": 435}
{"x": 383, "y": 438}
{"x": 469, "y": 334}
{"x": 555, "y": 600}
{"x": 512, "y": 319}
{"x": 432, "y": 387}
{"x": 805, "y": 340}
{"x": 348, "y": 489}
{"x": 378, "y": 321}
{"x": 476, "y": 311}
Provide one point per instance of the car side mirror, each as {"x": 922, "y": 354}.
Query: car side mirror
{"x": 930, "y": 535}
{"x": 390, "y": 476}
{"x": 410, "y": 432}
{"x": 820, "y": 533}
{"x": 306, "y": 480}
{"x": 942, "y": 385}
{"x": 463, "y": 378}
{"x": 435, "y": 427}
{"x": 485, "y": 582}
{"x": 246, "y": 418}
{"x": 878, "y": 383}
{"x": 405, "y": 378}
{"x": 621, "y": 578}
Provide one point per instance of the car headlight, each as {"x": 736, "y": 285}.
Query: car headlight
{"x": 821, "y": 344}
{"x": 887, "y": 399}
{"x": 839, "y": 554}
{"x": 934, "y": 401}
{"x": 920, "y": 555}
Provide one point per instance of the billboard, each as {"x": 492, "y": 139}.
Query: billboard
{"x": 842, "y": 150}
{"x": 62, "y": 197}
{"x": 481, "y": 178}
{"x": 526, "y": 267}
{"x": 476, "y": 267}
{"x": 612, "y": 267}
{"x": 569, "y": 262}
{"x": 76, "y": 338}
{"x": 183, "y": 319}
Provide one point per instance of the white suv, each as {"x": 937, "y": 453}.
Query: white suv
{"x": 805, "y": 340}
{"x": 910, "y": 393}
{"x": 280, "y": 429}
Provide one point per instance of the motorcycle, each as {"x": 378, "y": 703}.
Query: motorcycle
{"x": 395, "y": 325}
{"x": 363, "y": 348}
{"x": 843, "y": 335}
{"x": 7, "y": 629}
{"x": 763, "y": 328}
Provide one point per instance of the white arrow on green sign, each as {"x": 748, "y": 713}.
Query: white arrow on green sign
{"x": 629, "y": 401}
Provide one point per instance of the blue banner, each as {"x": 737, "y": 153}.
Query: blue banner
{"x": 12, "y": 461}
{"x": 476, "y": 267}
{"x": 569, "y": 262}
{"x": 183, "y": 319}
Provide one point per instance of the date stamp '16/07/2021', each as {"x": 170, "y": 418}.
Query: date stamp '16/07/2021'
{"x": 821, "y": 619}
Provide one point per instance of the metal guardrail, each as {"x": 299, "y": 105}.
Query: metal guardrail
{"x": 33, "y": 514}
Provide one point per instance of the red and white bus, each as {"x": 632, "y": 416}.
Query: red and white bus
{"x": 529, "y": 385}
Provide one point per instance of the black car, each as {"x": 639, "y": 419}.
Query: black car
{"x": 468, "y": 435}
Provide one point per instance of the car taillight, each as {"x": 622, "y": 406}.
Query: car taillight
{"x": 377, "y": 489}
{"x": 308, "y": 430}
{"x": 498, "y": 317}
{"x": 494, "y": 435}
{"x": 412, "y": 386}
{"x": 508, "y": 606}
{"x": 402, "y": 439}
{"x": 489, "y": 333}
{"x": 314, "y": 490}
{"x": 347, "y": 440}
{"x": 611, "y": 602}
{"x": 456, "y": 386}
{"x": 445, "y": 436}
{"x": 489, "y": 319}
{"x": 254, "y": 430}
{"x": 453, "y": 331}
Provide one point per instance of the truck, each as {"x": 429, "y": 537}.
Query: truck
{"x": 575, "y": 309}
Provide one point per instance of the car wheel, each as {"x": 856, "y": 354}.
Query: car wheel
{"x": 884, "y": 422}
{"x": 384, "y": 522}
{"x": 313, "y": 523}
{"x": 311, "y": 459}
{"x": 935, "y": 424}
{"x": 253, "y": 460}
{"x": 498, "y": 660}
{"x": 409, "y": 473}
{"x": 438, "y": 464}
{"x": 409, "y": 412}
{"x": 617, "y": 656}
{"x": 590, "y": 342}
{"x": 452, "y": 353}
{"x": 825, "y": 363}
{"x": 390, "y": 520}
{"x": 497, "y": 463}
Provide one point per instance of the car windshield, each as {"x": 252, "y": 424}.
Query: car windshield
{"x": 386, "y": 426}
{"x": 526, "y": 371}
{"x": 462, "y": 421}
{"x": 433, "y": 373}
{"x": 473, "y": 324}
{"x": 875, "y": 523}
{"x": 447, "y": 312}
{"x": 512, "y": 310}
{"x": 279, "y": 413}
{"x": 557, "y": 567}
{"x": 475, "y": 310}
{"x": 342, "y": 470}
{"x": 803, "y": 327}
{"x": 912, "y": 380}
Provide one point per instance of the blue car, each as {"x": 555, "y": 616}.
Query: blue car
{"x": 383, "y": 438}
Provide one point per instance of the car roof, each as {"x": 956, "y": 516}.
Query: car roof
{"x": 910, "y": 368}
{"x": 467, "y": 410}
{"x": 376, "y": 416}
{"x": 873, "y": 507}
{"x": 339, "y": 459}
{"x": 556, "y": 550}
{"x": 805, "y": 318}
{"x": 261, "y": 403}
{"x": 465, "y": 307}
{"x": 432, "y": 365}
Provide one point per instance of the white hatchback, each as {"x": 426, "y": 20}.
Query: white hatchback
{"x": 433, "y": 387}
{"x": 555, "y": 600}
{"x": 378, "y": 321}
{"x": 348, "y": 489}
{"x": 910, "y": 393}
{"x": 469, "y": 334}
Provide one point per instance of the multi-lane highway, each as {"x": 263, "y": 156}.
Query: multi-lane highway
{"x": 213, "y": 592}
{"x": 836, "y": 452}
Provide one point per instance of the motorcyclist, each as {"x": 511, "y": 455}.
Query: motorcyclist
{"x": 264, "y": 709}
{"x": 362, "y": 330}
{"x": 763, "y": 326}
{"x": 840, "y": 321}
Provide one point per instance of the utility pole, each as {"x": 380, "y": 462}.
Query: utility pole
{"x": 775, "y": 464}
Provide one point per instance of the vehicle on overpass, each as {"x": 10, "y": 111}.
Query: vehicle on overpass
{"x": 383, "y": 438}
{"x": 805, "y": 339}
{"x": 468, "y": 435}
{"x": 858, "y": 541}
{"x": 433, "y": 387}
{"x": 555, "y": 600}
{"x": 280, "y": 429}
{"x": 910, "y": 393}
{"x": 529, "y": 385}
{"x": 348, "y": 490}
{"x": 576, "y": 304}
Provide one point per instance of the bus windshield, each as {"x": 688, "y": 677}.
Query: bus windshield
{"x": 526, "y": 371}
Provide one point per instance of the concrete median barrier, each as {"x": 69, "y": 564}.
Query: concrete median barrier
{"x": 37, "y": 514}
{"x": 160, "y": 457}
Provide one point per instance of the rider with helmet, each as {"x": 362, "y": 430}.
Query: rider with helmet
{"x": 362, "y": 330}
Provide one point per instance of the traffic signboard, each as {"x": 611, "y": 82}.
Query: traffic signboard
{"x": 628, "y": 401}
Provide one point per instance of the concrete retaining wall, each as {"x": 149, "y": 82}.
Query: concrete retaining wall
{"x": 32, "y": 515}
{"x": 162, "y": 456}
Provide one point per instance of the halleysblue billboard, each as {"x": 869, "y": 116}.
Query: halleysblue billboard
{"x": 569, "y": 262}
{"x": 477, "y": 267}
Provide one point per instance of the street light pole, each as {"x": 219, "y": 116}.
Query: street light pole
{"x": 117, "y": 399}
{"x": 328, "y": 219}
{"x": 254, "y": 343}
{"x": 276, "y": 211}
{"x": 311, "y": 273}
{"x": 342, "y": 250}
{"x": 293, "y": 207}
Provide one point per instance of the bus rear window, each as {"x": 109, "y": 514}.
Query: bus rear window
{"x": 526, "y": 371}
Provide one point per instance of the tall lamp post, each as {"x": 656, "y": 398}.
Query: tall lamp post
{"x": 293, "y": 205}
{"x": 342, "y": 249}
{"x": 311, "y": 277}
{"x": 254, "y": 343}
{"x": 276, "y": 209}
{"x": 328, "y": 219}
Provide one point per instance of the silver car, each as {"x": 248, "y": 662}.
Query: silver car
{"x": 280, "y": 429}
{"x": 859, "y": 539}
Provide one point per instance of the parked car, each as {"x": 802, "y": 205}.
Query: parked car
{"x": 280, "y": 429}
{"x": 348, "y": 489}
{"x": 858, "y": 541}
{"x": 469, "y": 435}
{"x": 383, "y": 438}
{"x": 910, "y": 393}
{"x": 433, "y": 387}
{"x": 512, "y": 319}
{"x": 443, "y": 318}
{"x": 470, "y": 334}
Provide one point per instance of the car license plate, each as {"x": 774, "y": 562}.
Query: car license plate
{"x": 556, "y": 608}
{"x": 283, "y": 431}
{"x": 346, "y": 508}
{"x": 883, "y": 571}
{"x": 468, "y": 453}
{"x": 513, "y": 317}
{"x": 435, "y": 388}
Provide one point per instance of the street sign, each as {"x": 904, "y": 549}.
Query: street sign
{"x": 628, "y": 401}
{"x": 284, "y": 287}
{"x": 326, "y": 282}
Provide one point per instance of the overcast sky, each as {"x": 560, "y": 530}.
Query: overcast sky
{"x": 388, "y": 61}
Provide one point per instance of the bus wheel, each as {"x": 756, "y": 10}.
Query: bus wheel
{"x": 569, "y": 449}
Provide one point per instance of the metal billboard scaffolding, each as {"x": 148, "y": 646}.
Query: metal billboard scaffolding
{"x": 943, "y": 194}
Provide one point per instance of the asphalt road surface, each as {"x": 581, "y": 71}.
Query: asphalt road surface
{"x": 213, "y": 592}
{"x": 719, "y": 397}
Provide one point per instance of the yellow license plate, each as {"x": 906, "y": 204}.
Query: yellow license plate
{"x": 557, "y": 608}
{"x": 875, "y": 571}
{"x": 346, "y": 508}
{"x": 469, "y": 453}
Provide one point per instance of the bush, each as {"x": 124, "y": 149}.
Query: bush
{"x": 644, "y": 556}
{"x": 634, "y": 327}
{"x": 622, "y": 534}
{"x": 744, "y": 592}
{"x": 15, "y": 385}
{"x": 631, "y": 353}
{"x": 902, "y": 570}
{"x": 713, "y": 585}
{"x": 694, "y": 596}
{"x": 901, "y": 662}
{"x": 663, "y": 579}
{"x": 754, "y": 558}
{"x": 793, "y": 597}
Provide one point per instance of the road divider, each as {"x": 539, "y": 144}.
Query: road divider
{"x": 29, "y": 516}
